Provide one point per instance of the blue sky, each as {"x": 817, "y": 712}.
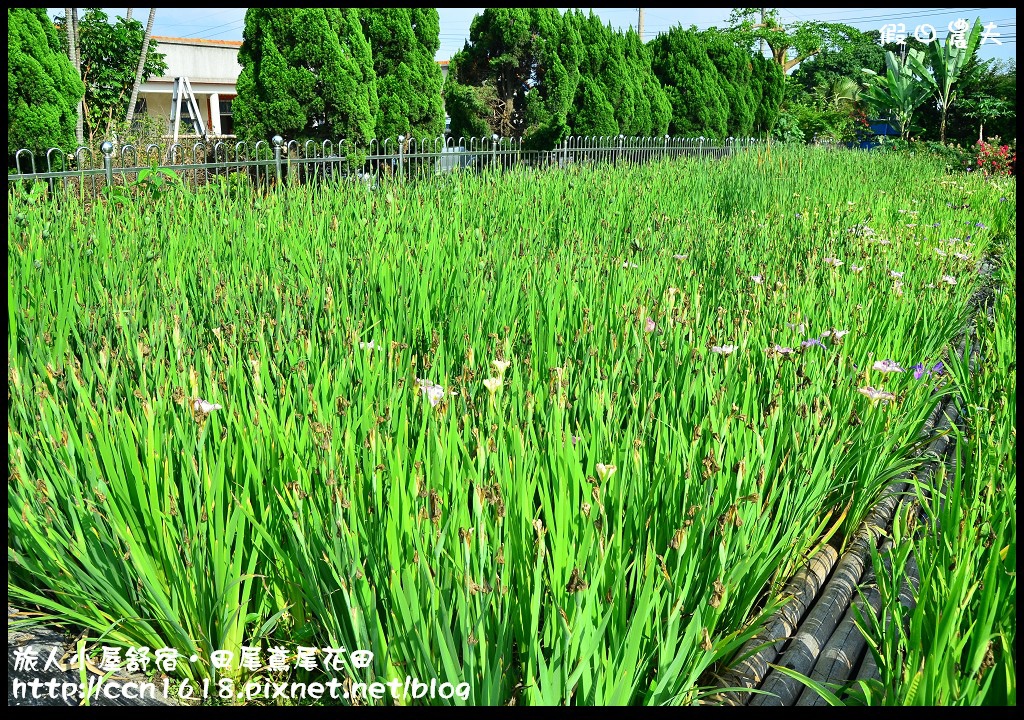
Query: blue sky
{"x": 227, "y": 23}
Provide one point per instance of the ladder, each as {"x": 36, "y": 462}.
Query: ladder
{"x": 182, "y": 87}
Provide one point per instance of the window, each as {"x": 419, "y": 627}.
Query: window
{"x": 227, "y": 123}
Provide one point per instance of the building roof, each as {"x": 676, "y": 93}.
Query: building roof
{"x": 198, "y": 41}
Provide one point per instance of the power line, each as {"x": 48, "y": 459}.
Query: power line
{"x": 941, "y": 11}
{"x": 235, "y": 24}
{"x": 192, "y": 24}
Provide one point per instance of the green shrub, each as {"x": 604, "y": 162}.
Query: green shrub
{"x": 43, "y": 89}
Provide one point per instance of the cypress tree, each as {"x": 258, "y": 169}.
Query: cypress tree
{"x": 618, "y": 67}
{"x": 599, "y": 89}
{"x": 307, "y": 74}
{"x": 734, "y": 75}
{"x": 692, "y": 84}
{"x": 43, "y": 89}
{"x": 767, "y": 85}
{"x": 403, "y": 42}
{"x": 516, "y": 76}
{"x": 593, "y": 114}
{"x": 653, "y": 111}
{"x": 539, "y": 75}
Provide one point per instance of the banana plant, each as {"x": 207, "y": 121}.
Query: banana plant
{"x": 946, "y": 65}
{"x": 899, "y": 91}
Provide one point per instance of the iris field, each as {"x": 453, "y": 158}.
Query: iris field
{"x": 560, "y": 435}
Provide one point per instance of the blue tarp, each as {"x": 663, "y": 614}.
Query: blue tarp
{"x": 884, "y": 127}
{"x": 879, "y": 128}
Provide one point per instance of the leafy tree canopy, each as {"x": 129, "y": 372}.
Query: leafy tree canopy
{"x": 109, "y": 53}
{"x": 855, "y": 51}
{"x": 990, "y": 101}
{"x": 790, "y": 43}
{"x": 516, "y": 76}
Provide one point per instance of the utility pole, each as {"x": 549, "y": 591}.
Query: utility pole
{"x": 760, "y": 47}
{"x": 640, "y": 25}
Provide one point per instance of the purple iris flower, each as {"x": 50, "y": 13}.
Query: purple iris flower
{"x": 936, "y": 369}
{"x": 981, "y": 225}
{"x": 807, "y": 343}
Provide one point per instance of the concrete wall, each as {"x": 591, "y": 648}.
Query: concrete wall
{"x": 200, "y": 61}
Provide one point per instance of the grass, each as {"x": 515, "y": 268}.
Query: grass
{"x": 957, "y": 645}
{"x": 601, "y": 527}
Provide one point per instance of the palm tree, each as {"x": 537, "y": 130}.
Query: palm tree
{"x": 71, "y": 26}
{"x": 138, "y": 70}
{"x": 845, "y": 92}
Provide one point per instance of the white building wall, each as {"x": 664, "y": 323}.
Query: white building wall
{"x": 200, "y": 62}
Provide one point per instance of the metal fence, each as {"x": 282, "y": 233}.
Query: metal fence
{"x": 400, "y": 157}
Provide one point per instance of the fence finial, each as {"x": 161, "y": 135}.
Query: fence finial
{"x": 278, "y": 142}
{"x": 107, "y": 148}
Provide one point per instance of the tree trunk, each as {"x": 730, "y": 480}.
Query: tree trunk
{"x": 942, "y": 127}
{"x": 80, "y": 122}
{"x": 71, "y": 26}
{"x": 129, "y": 15}
{"x": 904, "y": 122}
{"x": 138, "y": 71}
{"x": 70, "y": 30}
